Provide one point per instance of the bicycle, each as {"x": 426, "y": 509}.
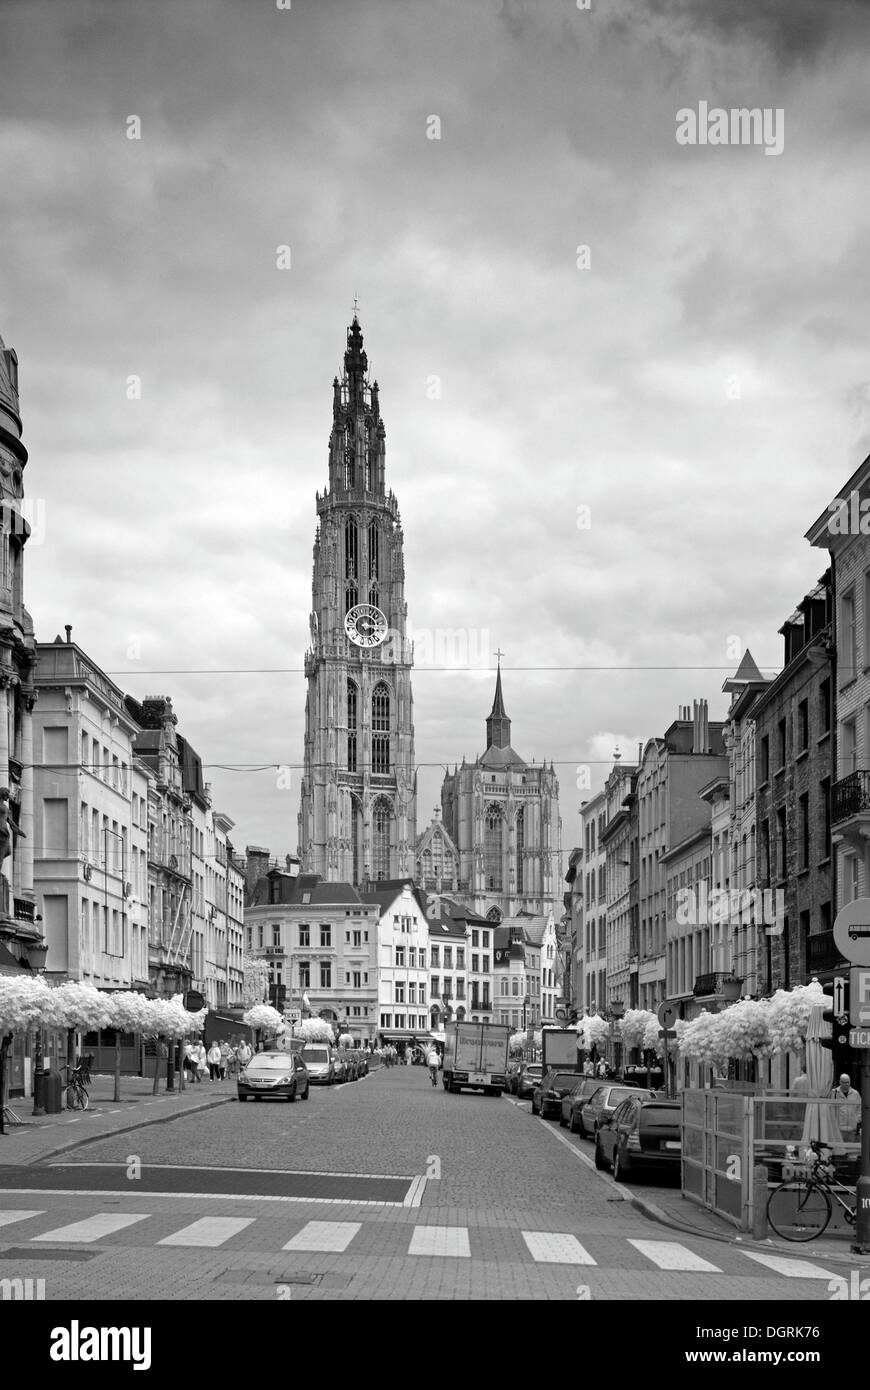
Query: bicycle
{"x": 801, "y": 1207}
{"x": 76, "y": 1090}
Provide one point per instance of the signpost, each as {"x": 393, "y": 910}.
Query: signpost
{"x": 668, "y": 1013}
{"x": 852, "y": 939}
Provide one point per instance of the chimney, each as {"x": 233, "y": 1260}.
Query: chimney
{"x": 292, "y": 865}
{"x": 68, "y": 630}
{"x": 256, "y": 866}
{"x": 701, "y": 727}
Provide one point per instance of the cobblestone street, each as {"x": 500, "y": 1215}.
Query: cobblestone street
{"x": 242, "y": 1201}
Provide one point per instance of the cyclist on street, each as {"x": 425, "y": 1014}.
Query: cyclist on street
{"x": 432, "y": 1063}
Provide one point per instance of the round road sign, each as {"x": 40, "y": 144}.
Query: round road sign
{"x": 852, "y": 931}
{"x": 668, "y": 1014}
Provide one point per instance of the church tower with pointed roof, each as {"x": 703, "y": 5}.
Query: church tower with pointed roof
{"x": 357, "y": 818}
{"x": 502, "y": 814}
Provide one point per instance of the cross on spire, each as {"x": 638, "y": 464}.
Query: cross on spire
{"x": 498, "y": 653}
{"x": 355, "y": 305}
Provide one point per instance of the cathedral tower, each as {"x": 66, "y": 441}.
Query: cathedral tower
{"x": 357, "y": 820}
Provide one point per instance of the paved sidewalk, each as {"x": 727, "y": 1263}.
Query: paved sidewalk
{"x": 669, "y": 1207}
{"x": 41, "y": 1136}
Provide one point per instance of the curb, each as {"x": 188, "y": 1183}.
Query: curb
{"x": 657, "y": 1214}
{"x": 122, "y": 1129}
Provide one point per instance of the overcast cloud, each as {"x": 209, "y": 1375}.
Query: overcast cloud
{"x": 702, "y": 387}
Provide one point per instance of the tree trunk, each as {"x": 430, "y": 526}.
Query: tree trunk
{"x": 178, "y": 1047}
{"x": 170, "y": 1064}
{"x": 117, "y": 1095}
{"x": 157, "y": 1060}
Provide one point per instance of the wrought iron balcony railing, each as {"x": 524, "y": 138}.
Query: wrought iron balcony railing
{"x": 717, "y": 984}
{"x": 850, "y": 796}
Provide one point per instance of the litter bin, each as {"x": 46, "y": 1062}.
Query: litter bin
{"x": 51, "y": 1091}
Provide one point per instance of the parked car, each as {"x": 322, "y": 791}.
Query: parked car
{"x": 318, "y": 1059}
{"x": 573, "y": 1101}
{"x": 339, "y": 1067}
{"x": 547, "y": 1095}
{"x": 362, "y": 1062}
{"x": 601, "y": 1105}
{"x": 528, "y": 1079}
{"x": 280, "y": 1074}
{"x": 641, "y": 1133}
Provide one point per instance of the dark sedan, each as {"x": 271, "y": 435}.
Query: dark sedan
{"x": 528, "y": 1079}
{"x": 573, "y": 1102}
{"x": 641, "y": 1133}
{"x": 547, "y": 1095}
{"x": 601, "y": 1105}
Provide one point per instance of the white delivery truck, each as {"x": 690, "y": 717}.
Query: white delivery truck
{"x": 476, "y": 1057}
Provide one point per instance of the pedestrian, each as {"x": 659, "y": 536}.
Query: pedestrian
{"x": 848, "y": 1109}
{"x": 226, "y": 1060}
{"x": 801, "y": 1084}
{"x": 190, "y": 1062}
{"x": 432, "y": 1063}
{"x": 213, "y": 1057}
{"x": 243, "y": 1054}
{"x": 588, "y": 1067}
{"x": 601, "y": 1070}
{"x": 201, "y": 1059}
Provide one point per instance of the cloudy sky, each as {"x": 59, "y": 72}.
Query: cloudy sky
{"x": 698, "y": 379}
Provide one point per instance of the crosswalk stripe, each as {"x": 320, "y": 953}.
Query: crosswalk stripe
{"x": 440, "y": 1240}
{"x": 7, "y": 1217}
{"x": 792, "y": 1269}
{"x": 102, "y": 1223}
{"x": 208, "y": 1231}
{"x": 669, "y": 1254}
{"x": 334, "y": 1236}
{"x": 556, "y": 1248}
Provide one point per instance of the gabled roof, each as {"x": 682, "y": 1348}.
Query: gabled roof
{"x": 502, "y": 757}
{"x": 425, "y": 839}
{"x": 302, "y": 890}
{"x": 384, "y": 893}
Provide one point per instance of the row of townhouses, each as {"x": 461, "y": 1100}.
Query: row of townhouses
{"x": 389, "y": 962}
{"x": 117, "y": 870}
{"x": 714, "y": 865}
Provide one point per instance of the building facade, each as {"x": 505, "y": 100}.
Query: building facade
{"x": 403, "y": 962}
{"x": 90, "y": 841}
{"x": 747, "y": 935}
{"x": 615, "y": 842}
{"x": 593, "y": 944}
{"x": 357, "y": 819}
{"x": 320, "y": 941}
{"x": 795, "y": 771}
{"x": 502, "y": 815}
{"x": 20, "y": 932}
{"x": 670, "y": 776}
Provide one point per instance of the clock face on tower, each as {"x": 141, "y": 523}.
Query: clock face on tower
{"x": 365, "y": 625}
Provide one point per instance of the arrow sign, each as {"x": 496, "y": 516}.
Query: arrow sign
{"x": 839, "y": 995}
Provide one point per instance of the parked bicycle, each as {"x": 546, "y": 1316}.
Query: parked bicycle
{"x": 801, "y": 1207}
{"x": 76, "y": 1090}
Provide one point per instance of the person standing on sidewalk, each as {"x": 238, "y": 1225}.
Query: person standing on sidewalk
{"x": 243, "y": 1054}
{"x": 848, "y": 1110}
{"x": 213, "y": 1057}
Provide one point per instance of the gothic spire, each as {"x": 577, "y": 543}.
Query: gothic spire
{"x": 498, "y": 726}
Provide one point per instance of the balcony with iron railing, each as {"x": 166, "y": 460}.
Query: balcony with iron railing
{"x": 717, "y": 984}
{"x": 822, "y": 954}
{"x": 850, "y": 796}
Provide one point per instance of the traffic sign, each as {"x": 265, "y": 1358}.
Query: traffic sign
{"x": 839, "y": 996}
{"x": 859, "y": 997}
{"x": 859, "y": 1037}
{"x": 669, "y": 1012}
{"x": 852, "y": 931}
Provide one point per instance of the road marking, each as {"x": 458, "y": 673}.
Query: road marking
{"x": 792, "y": 1269}
{"x": 208, "y": 1231}
{"x": 556, "y": 1248}
{"x": 197, "y": 1196}
{"x": 193, "y": 1168}
{"x": 669, "y": 1254}
{"x": 102, "y": 1223}
{"x": 414, "y": 1195}
{"x": 440, "y": 1240}
{"x": 331, "y": 1236}
{"x": 7, "y": 1217}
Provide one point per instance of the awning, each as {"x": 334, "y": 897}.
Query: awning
{"x": 439, "y": 1037}
{"x": 10, "y": 965}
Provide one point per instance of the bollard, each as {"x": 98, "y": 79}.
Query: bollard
{"x": 759, "y": 1202}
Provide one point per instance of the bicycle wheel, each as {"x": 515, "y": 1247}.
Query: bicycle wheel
{"x": 84, "y": 1100}
{"x": 71, "y": 1097}
{"x": 799, "y": 1210}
